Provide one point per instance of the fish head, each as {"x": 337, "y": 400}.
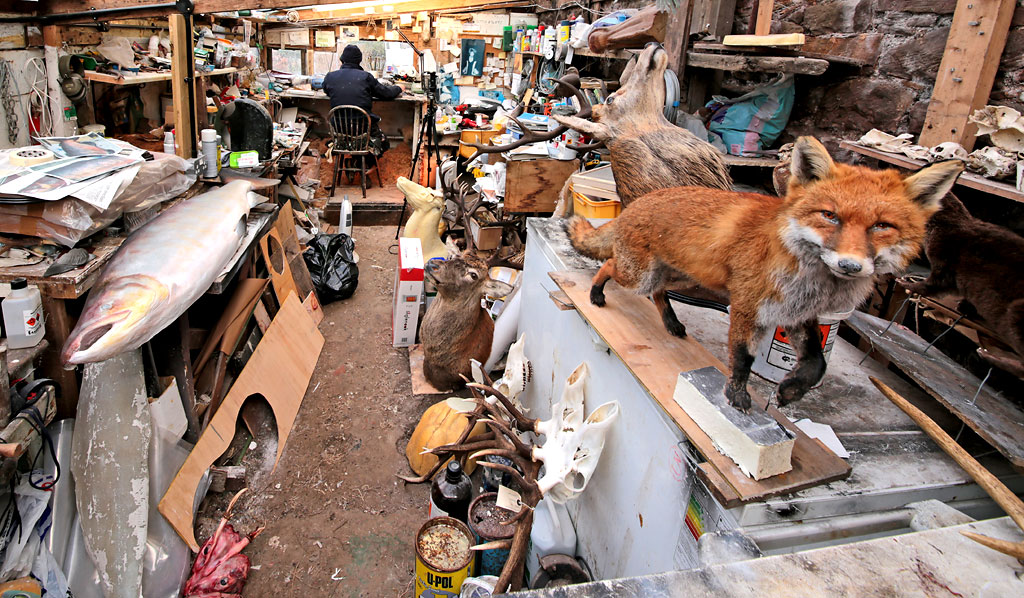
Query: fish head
{"x": 111, "y": 321}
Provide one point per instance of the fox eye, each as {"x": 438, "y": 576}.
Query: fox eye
{"x": 883, "y": 226}
{"x": 830, "y": 216}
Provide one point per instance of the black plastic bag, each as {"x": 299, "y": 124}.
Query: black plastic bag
{"x": 331, "y": 263}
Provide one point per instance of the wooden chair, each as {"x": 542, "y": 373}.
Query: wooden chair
{"x": 350, "y": 128}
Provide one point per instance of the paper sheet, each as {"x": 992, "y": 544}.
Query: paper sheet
{"x": 825, "y": 434}
{"x": 451, "y": 68}
{"x": 405, "y": 19}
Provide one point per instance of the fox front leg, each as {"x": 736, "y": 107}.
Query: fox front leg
{"x": 810, "y": 362}
{"x": 741, "y": 334}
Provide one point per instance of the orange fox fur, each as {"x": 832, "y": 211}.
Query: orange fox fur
{"x": 783, "y": 260}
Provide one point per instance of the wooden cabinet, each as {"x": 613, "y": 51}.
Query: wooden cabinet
{"x": 534, "y": 185}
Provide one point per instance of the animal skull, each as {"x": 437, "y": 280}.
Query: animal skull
{"x": 992, "y": 162}
{"x": 1003, "y": 125}
{"x": 572, "y": 445}
{"x": 950, "y": 150}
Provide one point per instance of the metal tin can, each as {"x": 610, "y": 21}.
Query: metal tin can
{"x": 485, "y": 519}
{"x": 443, "y": 557}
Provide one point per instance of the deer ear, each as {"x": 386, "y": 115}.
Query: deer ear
{"x": 929, "y": 185}
{"x": 589, "y": 127}
{"x": 496, "y": 288}
{"x": 811, "y": 161}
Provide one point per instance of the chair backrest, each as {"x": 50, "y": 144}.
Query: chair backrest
{"x": 350, "y": 127}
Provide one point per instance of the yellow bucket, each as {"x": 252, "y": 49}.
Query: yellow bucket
{"x": 443, "y": 557}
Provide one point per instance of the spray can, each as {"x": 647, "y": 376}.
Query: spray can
{"x": 563, "y": 32}
{"x": 23, "y": 315}
{"x": 209, "y": 144}
{"x": 169, "y": 142}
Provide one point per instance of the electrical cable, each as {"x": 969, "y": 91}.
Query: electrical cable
{"x": 39, "y": 98}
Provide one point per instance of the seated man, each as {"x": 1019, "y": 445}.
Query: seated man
{"x": 352, "y": 86}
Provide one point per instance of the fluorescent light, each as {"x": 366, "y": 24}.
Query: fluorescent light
{"x": 363, "y": 4}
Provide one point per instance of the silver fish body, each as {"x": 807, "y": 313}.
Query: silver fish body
{"x": 159, "y": 272}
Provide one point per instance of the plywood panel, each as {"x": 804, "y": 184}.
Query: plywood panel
{"x": 632, "y": 328}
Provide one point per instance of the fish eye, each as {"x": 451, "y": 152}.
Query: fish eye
{"x": 830, "y": 216}
{"x": 106, "y": 306}
{"x": 610, "y": 100}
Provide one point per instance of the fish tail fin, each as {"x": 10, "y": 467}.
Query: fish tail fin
{"x": 256, "y": 199}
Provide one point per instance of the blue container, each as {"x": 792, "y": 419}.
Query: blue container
{"x": 485, "y": 518}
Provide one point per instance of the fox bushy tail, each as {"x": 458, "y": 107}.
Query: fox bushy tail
{"x": 591, "y": 242}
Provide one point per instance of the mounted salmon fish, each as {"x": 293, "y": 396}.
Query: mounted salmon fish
{"x": 159, "y": 272}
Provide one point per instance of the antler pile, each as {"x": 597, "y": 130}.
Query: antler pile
{"x": 505, "y": 421}
{"x": 566, "y": 87}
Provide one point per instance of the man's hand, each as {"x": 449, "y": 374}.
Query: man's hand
{"x": 401, "y": 86}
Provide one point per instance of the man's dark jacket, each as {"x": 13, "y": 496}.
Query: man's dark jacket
{"x": 352, "y": 86}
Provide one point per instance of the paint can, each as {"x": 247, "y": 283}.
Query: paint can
{"x": 443, "y": 557}
{"x": 485, "y": 519}
{"x": 775, "y": 357}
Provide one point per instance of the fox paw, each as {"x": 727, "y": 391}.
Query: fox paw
{"x": 676, "y": 329}
{"x": 791, "y": 390}
{"x": 597, "y": 296}
{"x": 738, "y": 397}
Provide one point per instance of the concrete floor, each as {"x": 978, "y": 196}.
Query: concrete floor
{"x": 338, "y": 521}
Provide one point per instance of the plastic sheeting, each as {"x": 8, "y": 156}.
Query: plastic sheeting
{"x": 70, "y": 220}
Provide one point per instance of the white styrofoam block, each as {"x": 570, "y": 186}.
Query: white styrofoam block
{"x": 755, "y": 441}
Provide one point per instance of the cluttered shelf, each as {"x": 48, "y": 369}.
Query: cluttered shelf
{"x": 132, "y": 79}
{"x": 71, "y": 284}
{"x": 966, "y": 179}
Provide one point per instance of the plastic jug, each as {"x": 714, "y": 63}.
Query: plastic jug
{"x": 552, "y": 533}
{"x": 23, "y": 315}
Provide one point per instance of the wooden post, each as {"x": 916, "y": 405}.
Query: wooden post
{"x": 715, "y": 17}
{"x": 183, "y": 84}
{"x": 968, "y": 70}
{"x": 58, "y": 328}
{"x": 677, "y": 37}
{"x": 763, "y": 17}
{"x": 51, "y": 44}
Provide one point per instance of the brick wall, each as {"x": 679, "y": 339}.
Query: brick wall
{"x": 904, "y": 40}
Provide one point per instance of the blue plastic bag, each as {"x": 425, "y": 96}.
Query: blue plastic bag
{"x": 752, "y": 122}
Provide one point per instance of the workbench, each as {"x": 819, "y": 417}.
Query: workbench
{"x": 418, "y": 100}
{"x": 652, "y": 496}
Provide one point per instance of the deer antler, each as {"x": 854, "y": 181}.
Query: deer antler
{"x": 565, "y": 84}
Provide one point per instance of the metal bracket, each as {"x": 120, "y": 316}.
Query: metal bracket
{"x": 185, "y": 7}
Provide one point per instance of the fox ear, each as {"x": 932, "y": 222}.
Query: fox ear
{"x": 929, "y": 185}
{"x": 811, "y": 161}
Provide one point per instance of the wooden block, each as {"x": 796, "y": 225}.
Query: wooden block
{"x": 755, "y": 441}
{"x": 778, "y": 39}
{"x": 181, "y": 56}
{"x": 533, "y": 185}
{"x": 229, "y": 478}
{"x": 279, "y": 371}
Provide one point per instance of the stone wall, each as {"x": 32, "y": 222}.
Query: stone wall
{"x": 903, "y": 41}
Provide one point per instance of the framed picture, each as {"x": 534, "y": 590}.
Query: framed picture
{"x": 472, "y": 57}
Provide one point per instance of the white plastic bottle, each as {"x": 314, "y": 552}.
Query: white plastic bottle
{"x": 552, "y": 533}
{"x": 23, "y": 315}
{"x": 168, "y": 142}
{"x": 210, "y": 153}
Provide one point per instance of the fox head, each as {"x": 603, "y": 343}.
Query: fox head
{"x": 858, "y": 221}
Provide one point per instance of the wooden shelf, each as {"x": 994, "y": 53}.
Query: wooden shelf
{"x": 756, "y": 63}
{"x": 619, "y": 54}
{"x": 139, "y": 79}
{"x": 967, "y": 179}
{"x": 761, "y": 162}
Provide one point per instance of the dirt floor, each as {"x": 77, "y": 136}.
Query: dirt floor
{"x": 338, "y": 521}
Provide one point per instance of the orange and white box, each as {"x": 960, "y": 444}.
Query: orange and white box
{"x": 405, "y": 311}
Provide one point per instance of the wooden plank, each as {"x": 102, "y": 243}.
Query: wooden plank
{"x": 140, "y": 78}
{"x": 678, "y": 40}
{"x": 764, "y": 40}
{"x": 992, "y": 415}
{"x": 715, "y": 17}
{"x": 632, "y": 328}
{"x": 181, "y": 84}
{"x": 967, "y": 179}
{"x": 277, "y": 264}
{"x": 763, "y": 19}
{"x": 766, "y": 64}
{"x": 391, "y": 9}
{"x": 279, "y": 370}
{"x": 537, "y": 183}
{"x": 976, "y": 40}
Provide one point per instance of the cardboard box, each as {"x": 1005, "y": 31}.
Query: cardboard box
{"x": 405, "y": 310}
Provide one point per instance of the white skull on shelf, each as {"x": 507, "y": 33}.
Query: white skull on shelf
{"x": 949, "y": 150}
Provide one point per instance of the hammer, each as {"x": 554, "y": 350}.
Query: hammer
{"x": 1006, "y": 499}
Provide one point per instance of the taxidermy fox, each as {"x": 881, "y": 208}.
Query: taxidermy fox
{"x": 982, "y": 263}
{"x": 783, "y": 260}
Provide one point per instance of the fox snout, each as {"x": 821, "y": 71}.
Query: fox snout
{"x": 848, "y": 266}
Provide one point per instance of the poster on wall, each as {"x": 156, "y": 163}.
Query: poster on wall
{"x": 472, "y": 57}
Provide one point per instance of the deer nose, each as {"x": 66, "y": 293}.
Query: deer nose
{"x": 850, "y": 266}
